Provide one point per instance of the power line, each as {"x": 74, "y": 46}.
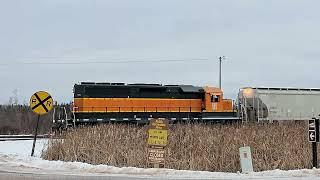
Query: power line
{"x": 105, "y": 62}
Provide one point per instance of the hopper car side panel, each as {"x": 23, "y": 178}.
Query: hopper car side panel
{"x": 278, "y": 104}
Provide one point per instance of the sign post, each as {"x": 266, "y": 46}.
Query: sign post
{"x": 313, "y": 135}
{"x": 157, "y": 141}
{"x": 35, "y": 136}
{"x": 41, "y": 103}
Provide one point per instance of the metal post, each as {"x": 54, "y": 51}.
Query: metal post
{"x": 313, "y": 134}
{"x": 246, "y": 109}
{"x": 253, "y": 113}
{"x": 258, "y": 103}
{"x": 314, "y": 145}
{"x": 314, "y": 155}
{"x": 220, "y": 70}
{"x": 35, "y": 136}
{"x": 220, "y": 61}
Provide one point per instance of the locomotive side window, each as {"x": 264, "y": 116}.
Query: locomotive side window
{"x": 215, "y": 98}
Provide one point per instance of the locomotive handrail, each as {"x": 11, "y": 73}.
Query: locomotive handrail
{"x": 145, "y": 109}
{"x": 107, "y": 109}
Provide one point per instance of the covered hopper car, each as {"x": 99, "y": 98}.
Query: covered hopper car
{"x": 107, "y": 102}
{"x": 278, "y": 104}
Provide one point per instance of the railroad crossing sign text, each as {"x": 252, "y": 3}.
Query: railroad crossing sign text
{"x": 41, "y": 102}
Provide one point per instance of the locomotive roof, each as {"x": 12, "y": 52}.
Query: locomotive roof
{"x": 190, "y": 88}
{"x": 184, "y": 88}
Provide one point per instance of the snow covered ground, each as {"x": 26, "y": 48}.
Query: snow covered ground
{"x": 15, "y": 157}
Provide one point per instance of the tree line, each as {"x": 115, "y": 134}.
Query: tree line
{"x": 19, "y": 119}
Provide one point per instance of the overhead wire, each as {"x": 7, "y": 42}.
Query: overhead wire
{"x": 104, "y": 62}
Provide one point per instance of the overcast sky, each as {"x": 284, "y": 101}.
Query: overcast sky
{"x": 270, "y": 43}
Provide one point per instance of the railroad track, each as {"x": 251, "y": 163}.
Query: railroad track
{"x": 22, "y": 137}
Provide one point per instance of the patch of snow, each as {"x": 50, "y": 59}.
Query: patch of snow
{"x": 22, "y": 147}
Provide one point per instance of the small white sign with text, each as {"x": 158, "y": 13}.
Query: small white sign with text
{"x": 246, "y": 159}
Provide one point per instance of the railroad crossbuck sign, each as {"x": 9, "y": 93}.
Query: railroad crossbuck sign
{"x": 41, "y": 102}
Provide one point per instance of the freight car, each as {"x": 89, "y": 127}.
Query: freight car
{"x": 109, "y": 102}
{"x": 278, "y": 104}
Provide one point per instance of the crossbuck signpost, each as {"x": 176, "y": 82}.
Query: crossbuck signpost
{"x": 313, "y": 135}
{"x": 41, "y": 103}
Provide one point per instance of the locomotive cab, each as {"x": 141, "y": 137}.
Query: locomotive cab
{"x": 214, "y": 102}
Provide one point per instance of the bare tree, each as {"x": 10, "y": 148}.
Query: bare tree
{"x": 13, "y": 100}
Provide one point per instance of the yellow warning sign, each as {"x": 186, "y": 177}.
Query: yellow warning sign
{"x": 41, "y": 102}
{"x": 158, "y": 132}
{"x": 158, "y": 137}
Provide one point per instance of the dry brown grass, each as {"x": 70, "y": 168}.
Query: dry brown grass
{"x": 191, "y": 146}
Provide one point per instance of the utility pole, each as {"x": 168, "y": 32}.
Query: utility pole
{"x": 220, "y": 61}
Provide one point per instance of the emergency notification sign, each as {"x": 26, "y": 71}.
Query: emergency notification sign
{"x": 158, "y": 132}
{"x": 157, "y": 141}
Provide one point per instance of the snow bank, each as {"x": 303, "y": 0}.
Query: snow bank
{"x": 27, "y": 164}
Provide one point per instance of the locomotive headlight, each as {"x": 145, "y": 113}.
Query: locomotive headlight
{"x": 248, "y": 92}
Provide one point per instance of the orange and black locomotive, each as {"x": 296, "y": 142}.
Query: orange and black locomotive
{"x": 105, "y": 102}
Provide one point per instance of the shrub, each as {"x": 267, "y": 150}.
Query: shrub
{"x": 210, "y": 147}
